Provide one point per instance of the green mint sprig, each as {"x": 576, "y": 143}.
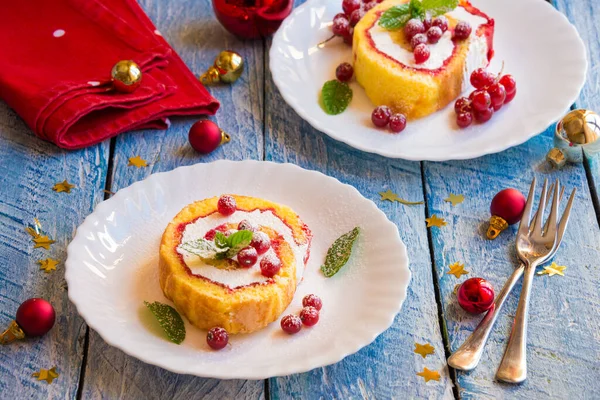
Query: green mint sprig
{"x": 339, "y": 253}
{"x": 169, "y": 319}
{"x": 335, "y": 97}
{"x": 221, "y": 248}
{"x": 396, "y": 17}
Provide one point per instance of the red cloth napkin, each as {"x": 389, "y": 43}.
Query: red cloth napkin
{"x": 55, "y": 63}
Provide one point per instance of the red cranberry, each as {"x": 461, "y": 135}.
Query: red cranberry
{"x": 210, "y": 235}
{"x": 381, "y": 116}
{"x": 441, "y": 22}
{"x": 341, "y": 27}
{"x": 462, "y": 30}
{"x": 246, "y": 225}
{"x": 344, "y": 72}
{"x": 350, "y": 5}
{"x": 427, "y": 22}
{"x": 370, "y": 5}
{"x": 226, "y": 205}
{"x": 291, "y": 324}
{"x": 349, "y": 38}
{"x": 434, "y": 34}
{"x": 464, "y": 119}
{"x": 340, "y": 16}
{"x": 497, "y": 94}
{"x": 217, "y": 338}
{"x": 509, "y": 97}
{"x": 413, "y": 27}
{"x": 485, "y": 115}
{"x": 312, "y": 300}
{"x": 480, "y": 78}
{"x": 309, "y": 316}
{"x": 509, "y": 83}
{"x": 419, "y": 38}
{"x": 356, "y": 16}
{"x": 462, "y": 104}
{"x": 270, "y": 265}
{"x": 247, "y": 257}
{"x": 261, "y": 242}
{"x": 421, "y": 53}
{"x": 397, "y": 123}
{"x": 481, "y": 100}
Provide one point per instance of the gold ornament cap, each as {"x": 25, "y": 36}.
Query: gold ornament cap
{"x": 126, "y": 76}
{"x": 556, "y": 157}
{"x": 497, "y": 225}
{"x": 14, "y": 332}
{"x": 227, "y": 68}
{"x": 225, "y": 138}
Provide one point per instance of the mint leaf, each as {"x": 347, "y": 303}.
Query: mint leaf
{"x": 238, "y": 241}
{"x": 339, "y": 253}
{"x": 202, "y": 248}
{"x": 335, "y": 96}
{"x": 221, "y": 240}
{"x": 439, "y": 7}
{"x": 417, "y": 9}
{"x": 169, "y": 319}
{"x": 395, "y": 17}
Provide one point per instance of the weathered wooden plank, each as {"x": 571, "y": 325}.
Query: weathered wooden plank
{"x": 563, "y": 345}
{"x": 190, "y": 27}
{"x": 30, "y": 168}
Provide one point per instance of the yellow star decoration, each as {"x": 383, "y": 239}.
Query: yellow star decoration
{"x": 388, "y": 195}
{"x": 424, "y": 349}
{"x": 47, "y": 375}
{"x": 48, "y": 265}
{"x": 457, "y": 269}
{"x": 455, "y": 199}
{"x": 137, "y": 161}
{"x": 42, "y": 241}
{"x": 434, "y": 220}
{"x": 553, "y": 269}
{"x": 63, "y": 186}
{"x": 429, "y": 375}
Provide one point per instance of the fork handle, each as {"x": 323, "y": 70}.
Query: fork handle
{"x": 469, "y": 353}
{"x": 513, "y": 368}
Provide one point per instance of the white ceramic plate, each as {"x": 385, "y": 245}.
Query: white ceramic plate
{"x": 112, "y": 267}
{"x": 538, "y": 45}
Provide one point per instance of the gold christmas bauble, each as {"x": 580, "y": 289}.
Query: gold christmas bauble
{"x": 227, "y": 68}
{"x": 126, "y": 76}
{"x": 576, "y": 134}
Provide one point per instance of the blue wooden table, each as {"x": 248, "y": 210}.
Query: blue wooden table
{"x": 564, "y": 331}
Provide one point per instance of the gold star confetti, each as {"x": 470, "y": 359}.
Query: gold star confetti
{"x": 553, "y": 269}
{"x": 434, "y": 220}
{"x": 47, "y": 375}
{"x": 424, "y": 349}
{"x": 391, "y": 196}
{"x": 455, "y": 199}
{"x": 48, "y": 265}
{"x": 42, "y": 241}
{"x": 457, "y": 269}
{"x": 63, "y": 186}
{"x": 137, "y": 161}
{"x": 429, "y": 375}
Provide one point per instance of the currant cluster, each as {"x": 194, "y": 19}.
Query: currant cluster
{"x": 354, "y": 10}
{"x": 429, "y": 31}
{"x": 309, "y": 315}
{"x": 490, "y": 94}
{"x": 382, "y": 116}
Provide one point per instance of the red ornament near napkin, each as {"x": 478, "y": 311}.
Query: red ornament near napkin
{"x": 55, "y": 70}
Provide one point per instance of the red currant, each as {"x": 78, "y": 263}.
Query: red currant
{"x": 475, "y": 295}
{"x": 344, "y": 72}
{"x": 480, "y": 78}
{"x": 350, "y": 5}
{"x": 312, "y": 301}
{"x": 464, "y": 119}
{"x": 309, "y": 316}
{"x": 381, "y": 116}
{"x": 462, "y": 104}
{"x": 427, "y": 22}
{"x": 246, "y": 225}
{"x": 230, "y": 232}
{"x": 261, "y": 242}
{"x": 421, "y": 53}
{"x": 418, "y": 39}
{"x": 217, "y": 338}
{"x": 462, "y": 30}
{"x": 397, "y": 123}
{"x": 247, "y": 257}
{"x": 270, "y": 265}
{"x": 413, "y": 27}
{"x": 226, "y": 205}
{"x": 509, "y": 97}
{"x": 485, "y": 115}
{"x": 441, "y": 22}
{"x": 291, "y": 324}
{"x": 340, "y": 15}
{"x": 349, "y": 38}
{"x": 370, "y": 5}
{"x": 434, "y": 34}
{"x": 356, "y": 16}
{"x": 509, "y": 83}
{"x": 481, "y": 100}
{"x": 497, "y": 94}
{"x": 341, "y": 27}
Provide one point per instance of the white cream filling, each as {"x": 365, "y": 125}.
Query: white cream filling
{"x": 239, "y": 276}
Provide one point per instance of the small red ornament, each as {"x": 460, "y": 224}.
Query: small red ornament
{"x": 35, "y": 317}
{"x": 475, "y": 295}
{"x": 251, "y": 19}
{"x": 506, "y": 209}
{"x": 205, "y": 136}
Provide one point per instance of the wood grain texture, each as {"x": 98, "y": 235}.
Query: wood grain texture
{"x": 564, "y": 340}
{"x": 30, "y": 168}
{"x": 191, "y": 28}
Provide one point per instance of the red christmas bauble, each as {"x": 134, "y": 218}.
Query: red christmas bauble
{"x": 475, "y": 295}
{"x": 508, "y": 204}
{"x": 205, "y": 136}
{"x": 251, "y": 19}
{"x": 35, "y": 317}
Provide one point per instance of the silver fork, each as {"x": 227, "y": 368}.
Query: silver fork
{"x": 467, "y": 356}
{"x": 534, "y": 247}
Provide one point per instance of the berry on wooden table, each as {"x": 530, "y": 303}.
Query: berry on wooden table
{"x": 462, "y": 30}
{"x": 381, "y": 116}
{"x": 344, "y": 72}
{"x": 309, "y": 316}
{"x": 312, "y": 300}
{"x": 226, "y": 205}
{"x": 291, "y": 324}
{"x": 421, "y": 53}
{"x": 397, "y": 123}
{"x": 217, "y": 338}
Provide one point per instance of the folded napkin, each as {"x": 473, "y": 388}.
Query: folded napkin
{"x": 55, "y": 63}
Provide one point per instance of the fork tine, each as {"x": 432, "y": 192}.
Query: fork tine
{"x": 562, "y": 225}
{"x": 524, "y": 224}
{"x": 537, "y": 228}
{"x": 551, "y": 223}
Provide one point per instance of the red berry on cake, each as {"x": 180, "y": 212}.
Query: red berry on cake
{"x": 217, "y": 338}
{"x": 462, "y": 30}
{"x": 344, "y": 72}
{"x": 309, "y": 316}
{"x": 381, "y": 116}
{"x": 226, "y": 205}
{"x": 464, "y": 119}
{"x": 497, "y": 94}
{"x": 247, "y": 257}
{"x": 312, "y": 300}
{"x": 341, "y": 27}
{"x": 481, "y": 100}
{"x": 427, "y": 22}
{"x": 350, "y": 5}
{"x": 261, "y": 242}
{"x": 397, "y": 123}
{"x": 434, "y": 34}
{"x": 421, "y": 53}
{"x": 441, "y": 22}
{"x": 370, "y": 5}
{"x": 419, "y": 38}
{"x": 484, "y": 116}
{"x": 356, "y": 16}
{"x": 230, "y": 232}
{"x": 349, "y": 37}
{"x": 340, "y": 16}
{"x": 481, "y": 78}
{"x": 291, "y": 324}
{"x": 413, "y": 27}
{"x": 246, "y": 225}
{"x": 270, "y": 265}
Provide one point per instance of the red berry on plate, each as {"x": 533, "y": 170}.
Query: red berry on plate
{"x": 509, "y": 97}
{"x": 434, "y": 34}
{"x": 226, "y": 205}
{"x": 340, "y": 16}
{"x": 349, "y": 38}
{"x": 217, "y": 338}
{"x": 441, "y": 22}
{"x": 381, "y": 116}
{"x": 427, "y": 22}
{"x": 247, "y": 257}
{"x": 413, "y": 27}
{"x": 462, "y": 30}
{"x": 464, "y": 119}
{"x": 481, "y": 100}
{"x": 484, "y": 116}
{"x": 350, "y": 5}
{"x": 356, "y": 16}
{"x": 421, "y": 53}
{"x": 270, "y": 265}
{"x": 509, "y": 83}
{"x": 341, "y": 27}
{"x": 497, "y": 94}
{"x": 344, "y": 72}
{"x": 309, "y": 316}
{"x": 312, "y": 300}
{"x": 462, "y": 104}
{"x": 419, "y": 38}
{"x": 475, "y": 295}
{"x": 291, "y": 324}
{"x": 397, "y": 123}
{"x": 261, "y": 242}
{"x": 480, "y": 78}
